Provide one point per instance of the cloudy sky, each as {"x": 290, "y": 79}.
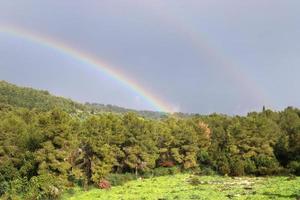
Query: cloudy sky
{"x": 204, "y": 56}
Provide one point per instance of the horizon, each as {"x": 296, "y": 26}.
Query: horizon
{"x": 185, "y": 113}
{"x": 190, "y": 57}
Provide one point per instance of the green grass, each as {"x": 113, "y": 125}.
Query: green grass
{"x": 205, "y": 187}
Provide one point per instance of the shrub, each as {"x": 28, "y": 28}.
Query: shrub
{"x": 104, "y": 184}
{"x": 43, "y": 187}
{"x": 266, "y": 165}
{"x": 174, "y": 170}
{"x": 120, "y": 179}
{"x": 9, "y": 181}
{"x": 223, "y": 167}
{"x": 206, "y": 172}
{"x": 250, "y": 167}
{"x": 3, "y": 187}
{"x": 8, "y": 172}
{"x": 294, "y": 167}
{"x": 237, "y": 167}
{"x": 17, "y": 187}
{"x": 203, "y": 157}
{"x": 71, "y": 191}
{"x": 163, "y": 171}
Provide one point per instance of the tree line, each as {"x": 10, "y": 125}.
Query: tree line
{"x": 43, "y": 152}
{"x": 39, "y": 99}
{"x": 49, "y": 144}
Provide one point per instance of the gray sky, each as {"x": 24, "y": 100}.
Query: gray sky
{"x": 203, "y": 56}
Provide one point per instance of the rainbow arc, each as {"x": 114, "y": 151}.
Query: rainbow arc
{"x": 91, "y": 61}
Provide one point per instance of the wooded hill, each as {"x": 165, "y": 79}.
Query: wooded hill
{"x": 39, "y": 99}
{"x": 46, "y": 148}
{"x": 30, "y": 98}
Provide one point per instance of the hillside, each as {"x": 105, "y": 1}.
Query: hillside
{"x": 100, "y": 108}
{"x": 30, "y": 98}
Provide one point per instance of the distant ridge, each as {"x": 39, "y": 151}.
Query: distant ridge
{"x": 26, "y": 97}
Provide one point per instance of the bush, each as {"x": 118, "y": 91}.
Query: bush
{"x": 174, "y": 170}
{"x": 206, "y": 172}
{"x": 163, "y": 171}
{"x": 266, "y": 165}
{"x": 104, "y": 184}
{"x": 43, "y": 187}
{"x": 8, "y": 172}
{"x": 120, "y": 179}
{"x": 3, "y": 186}
{"x": 203, "y": 157}
{"x": 71, "y": 191}
{"x": 294, "y": 167}
{"x": 250, "y": 167}
{"x": 7, "y": 176}
{"x": 223, "y": 167}
{"x": 237, "y": 167}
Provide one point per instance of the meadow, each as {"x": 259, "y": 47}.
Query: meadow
{"x": 186, "y": 186}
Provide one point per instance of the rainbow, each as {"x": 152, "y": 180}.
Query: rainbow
{"x": 91, "y": 61}
{"x": 200, "y": 43}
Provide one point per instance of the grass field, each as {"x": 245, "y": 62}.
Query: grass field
{"x": 185, "y": 186}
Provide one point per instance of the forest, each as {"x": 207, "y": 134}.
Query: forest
{"x": 49, "y": 144}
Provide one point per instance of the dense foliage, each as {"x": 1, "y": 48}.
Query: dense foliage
{"x": 31, "y": 98}
{"x": 44, "y": 151}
